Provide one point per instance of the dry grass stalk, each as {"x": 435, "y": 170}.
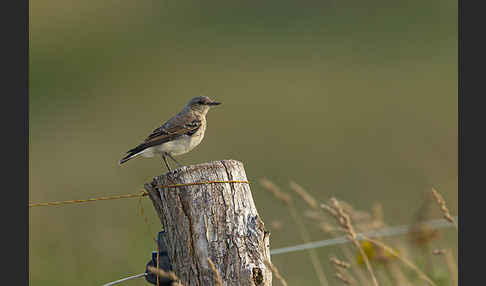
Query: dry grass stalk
{"x": 403, "y": 259}
{"x": 443, "y": 207}
{"x": 330, "y": 210}
{"x": 275, "y": 272}
{"x": 378, "y": 212}
{"x": 378, "y": 217}
{"x": 161, "y": 273}
{"x": 420, "y": 234}
{"x": 361, "y": 277}
{"x": 451, "y": 264}
{"x": 343, "y": 278}
{"x": 217, "y": 275}
{"x": 327, "y": 228}
{"x": 438, "y": 251}
{"x": 304, "y": 195}
{"x": 397, "y": 275}
{"x": 286, "y": 199}
{"x": 358, "y": 271}
{"x": 341, "y": 270}
{"x": 316, "y": 264}
{"x": 337, "y": 230}
{"x": 357, "y": 216}
{"x": 339, "y": 263}
{"x": 322, "y": 224}
{"x": 276, "y": 192}
{"x": 344, "y": 220}
{"x": 313, "y": 215}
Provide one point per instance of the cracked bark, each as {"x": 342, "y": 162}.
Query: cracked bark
{"x": 219, "y": 221}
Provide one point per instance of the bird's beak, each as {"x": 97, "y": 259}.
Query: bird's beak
{"x": 214, "y": 103}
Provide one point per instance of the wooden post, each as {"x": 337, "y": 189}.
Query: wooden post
{"x": 217, "y": 220}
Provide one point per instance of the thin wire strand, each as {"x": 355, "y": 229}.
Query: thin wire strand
{"x": 136, "y": 195}
{"x": 50, "y": 204}
{"x": 125, "y": 279}
{"x": 389, "y": 231}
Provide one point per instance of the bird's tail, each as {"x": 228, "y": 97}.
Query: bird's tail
{"x": 132, "y": 153}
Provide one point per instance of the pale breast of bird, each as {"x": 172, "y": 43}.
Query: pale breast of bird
{"x": 183, "y": 144}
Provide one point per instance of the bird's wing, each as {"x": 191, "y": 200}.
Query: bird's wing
{"x": 177, "y": 126}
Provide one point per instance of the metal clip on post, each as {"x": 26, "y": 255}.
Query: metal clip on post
{"x": 164, "y": 263}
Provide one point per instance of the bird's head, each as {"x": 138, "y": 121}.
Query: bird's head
{"x": 201, "y": 104}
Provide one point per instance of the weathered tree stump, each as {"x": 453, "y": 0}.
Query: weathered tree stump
{"x": 217, "y": 220}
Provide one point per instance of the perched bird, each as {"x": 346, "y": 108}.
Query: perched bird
{"x": 178, "y": 135}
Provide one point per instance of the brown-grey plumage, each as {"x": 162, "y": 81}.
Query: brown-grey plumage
{"x": 178, "y": 135}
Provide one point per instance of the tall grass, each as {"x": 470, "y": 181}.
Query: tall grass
{"x": 407, "y": 261}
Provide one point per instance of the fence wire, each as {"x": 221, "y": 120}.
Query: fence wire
{"x": 388, "y": 231}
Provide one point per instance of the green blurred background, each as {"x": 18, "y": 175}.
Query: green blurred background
{"x": 351, "y": 99}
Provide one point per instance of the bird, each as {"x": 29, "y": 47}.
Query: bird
{"x": 178, "y": 135}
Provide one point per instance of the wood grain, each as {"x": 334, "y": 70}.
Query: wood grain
{"x": 219, "y": 221}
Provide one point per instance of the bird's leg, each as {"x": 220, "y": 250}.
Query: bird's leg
{"x": 170, "y": 156}
{"x": 165, "y": 160}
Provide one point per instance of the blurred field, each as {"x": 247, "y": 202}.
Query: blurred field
{"x": 350, "y": 99}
